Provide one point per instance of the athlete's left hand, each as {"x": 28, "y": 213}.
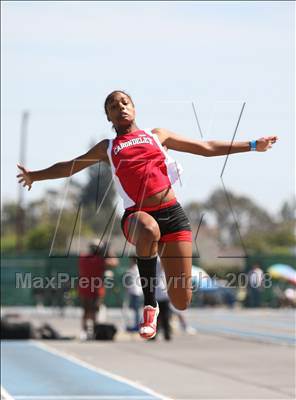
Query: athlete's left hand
{"x": 265, "y": 143}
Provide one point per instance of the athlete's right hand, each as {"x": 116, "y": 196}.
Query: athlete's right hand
{"x": 24, "y": 177}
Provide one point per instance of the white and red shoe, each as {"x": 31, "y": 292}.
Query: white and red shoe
{"x": 149, "y": 325}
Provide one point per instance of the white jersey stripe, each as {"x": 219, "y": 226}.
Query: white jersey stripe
{"x": 174, "y": 168}
{"x": 127, "y": 201}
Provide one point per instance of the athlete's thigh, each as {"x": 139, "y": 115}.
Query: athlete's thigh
{"x": 137, "y": 222}
{"x": 176, "y": 259}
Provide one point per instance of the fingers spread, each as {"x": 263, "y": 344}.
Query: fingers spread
{"x": 273, "y": 138}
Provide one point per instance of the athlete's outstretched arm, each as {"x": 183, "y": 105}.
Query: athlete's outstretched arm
{"x": 65, "y": 168}
{"x": 211, "y": 147}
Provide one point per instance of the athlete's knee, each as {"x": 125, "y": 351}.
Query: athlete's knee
{"x": 150, "y": 232}
{"x": 182, "y": 302}
{"x": 180, "y": 305}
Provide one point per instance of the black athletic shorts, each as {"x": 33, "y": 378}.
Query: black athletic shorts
{"x": 172, "y": 221}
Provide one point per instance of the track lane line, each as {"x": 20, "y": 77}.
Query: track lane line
{"x": 101, "y": 371}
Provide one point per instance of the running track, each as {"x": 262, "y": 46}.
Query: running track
{"x": 33, "y": 371}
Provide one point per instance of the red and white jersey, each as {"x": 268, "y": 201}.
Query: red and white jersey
{"x": 141, "y": 167}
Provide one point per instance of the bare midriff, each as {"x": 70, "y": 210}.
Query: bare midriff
{"x": 159, "y": 198}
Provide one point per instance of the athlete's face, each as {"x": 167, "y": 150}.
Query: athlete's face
{"x": 120, "y": 110}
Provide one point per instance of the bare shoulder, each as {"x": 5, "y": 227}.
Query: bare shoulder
{"x": 99, "y": 151}
{"x": 102, "y": 149}
{"x": 161, "y": 133}
{"x": 103, "y": 144}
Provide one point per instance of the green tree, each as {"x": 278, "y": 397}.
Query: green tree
{"x": 9, "y": 213}
{"x": 40, "y": 237}
{"x": 288, "y": 210}
{"x": 195, "y": 212}
{"x": 237, "y": 215}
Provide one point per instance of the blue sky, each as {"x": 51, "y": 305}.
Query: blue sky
{"x": 60, "y": 60}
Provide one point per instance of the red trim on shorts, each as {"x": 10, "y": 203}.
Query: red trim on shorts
{"x": 154, "y": 208}
{"x": 179, "y": 236}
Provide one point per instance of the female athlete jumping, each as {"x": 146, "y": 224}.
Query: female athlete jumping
{"x": 144, "y": 173}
